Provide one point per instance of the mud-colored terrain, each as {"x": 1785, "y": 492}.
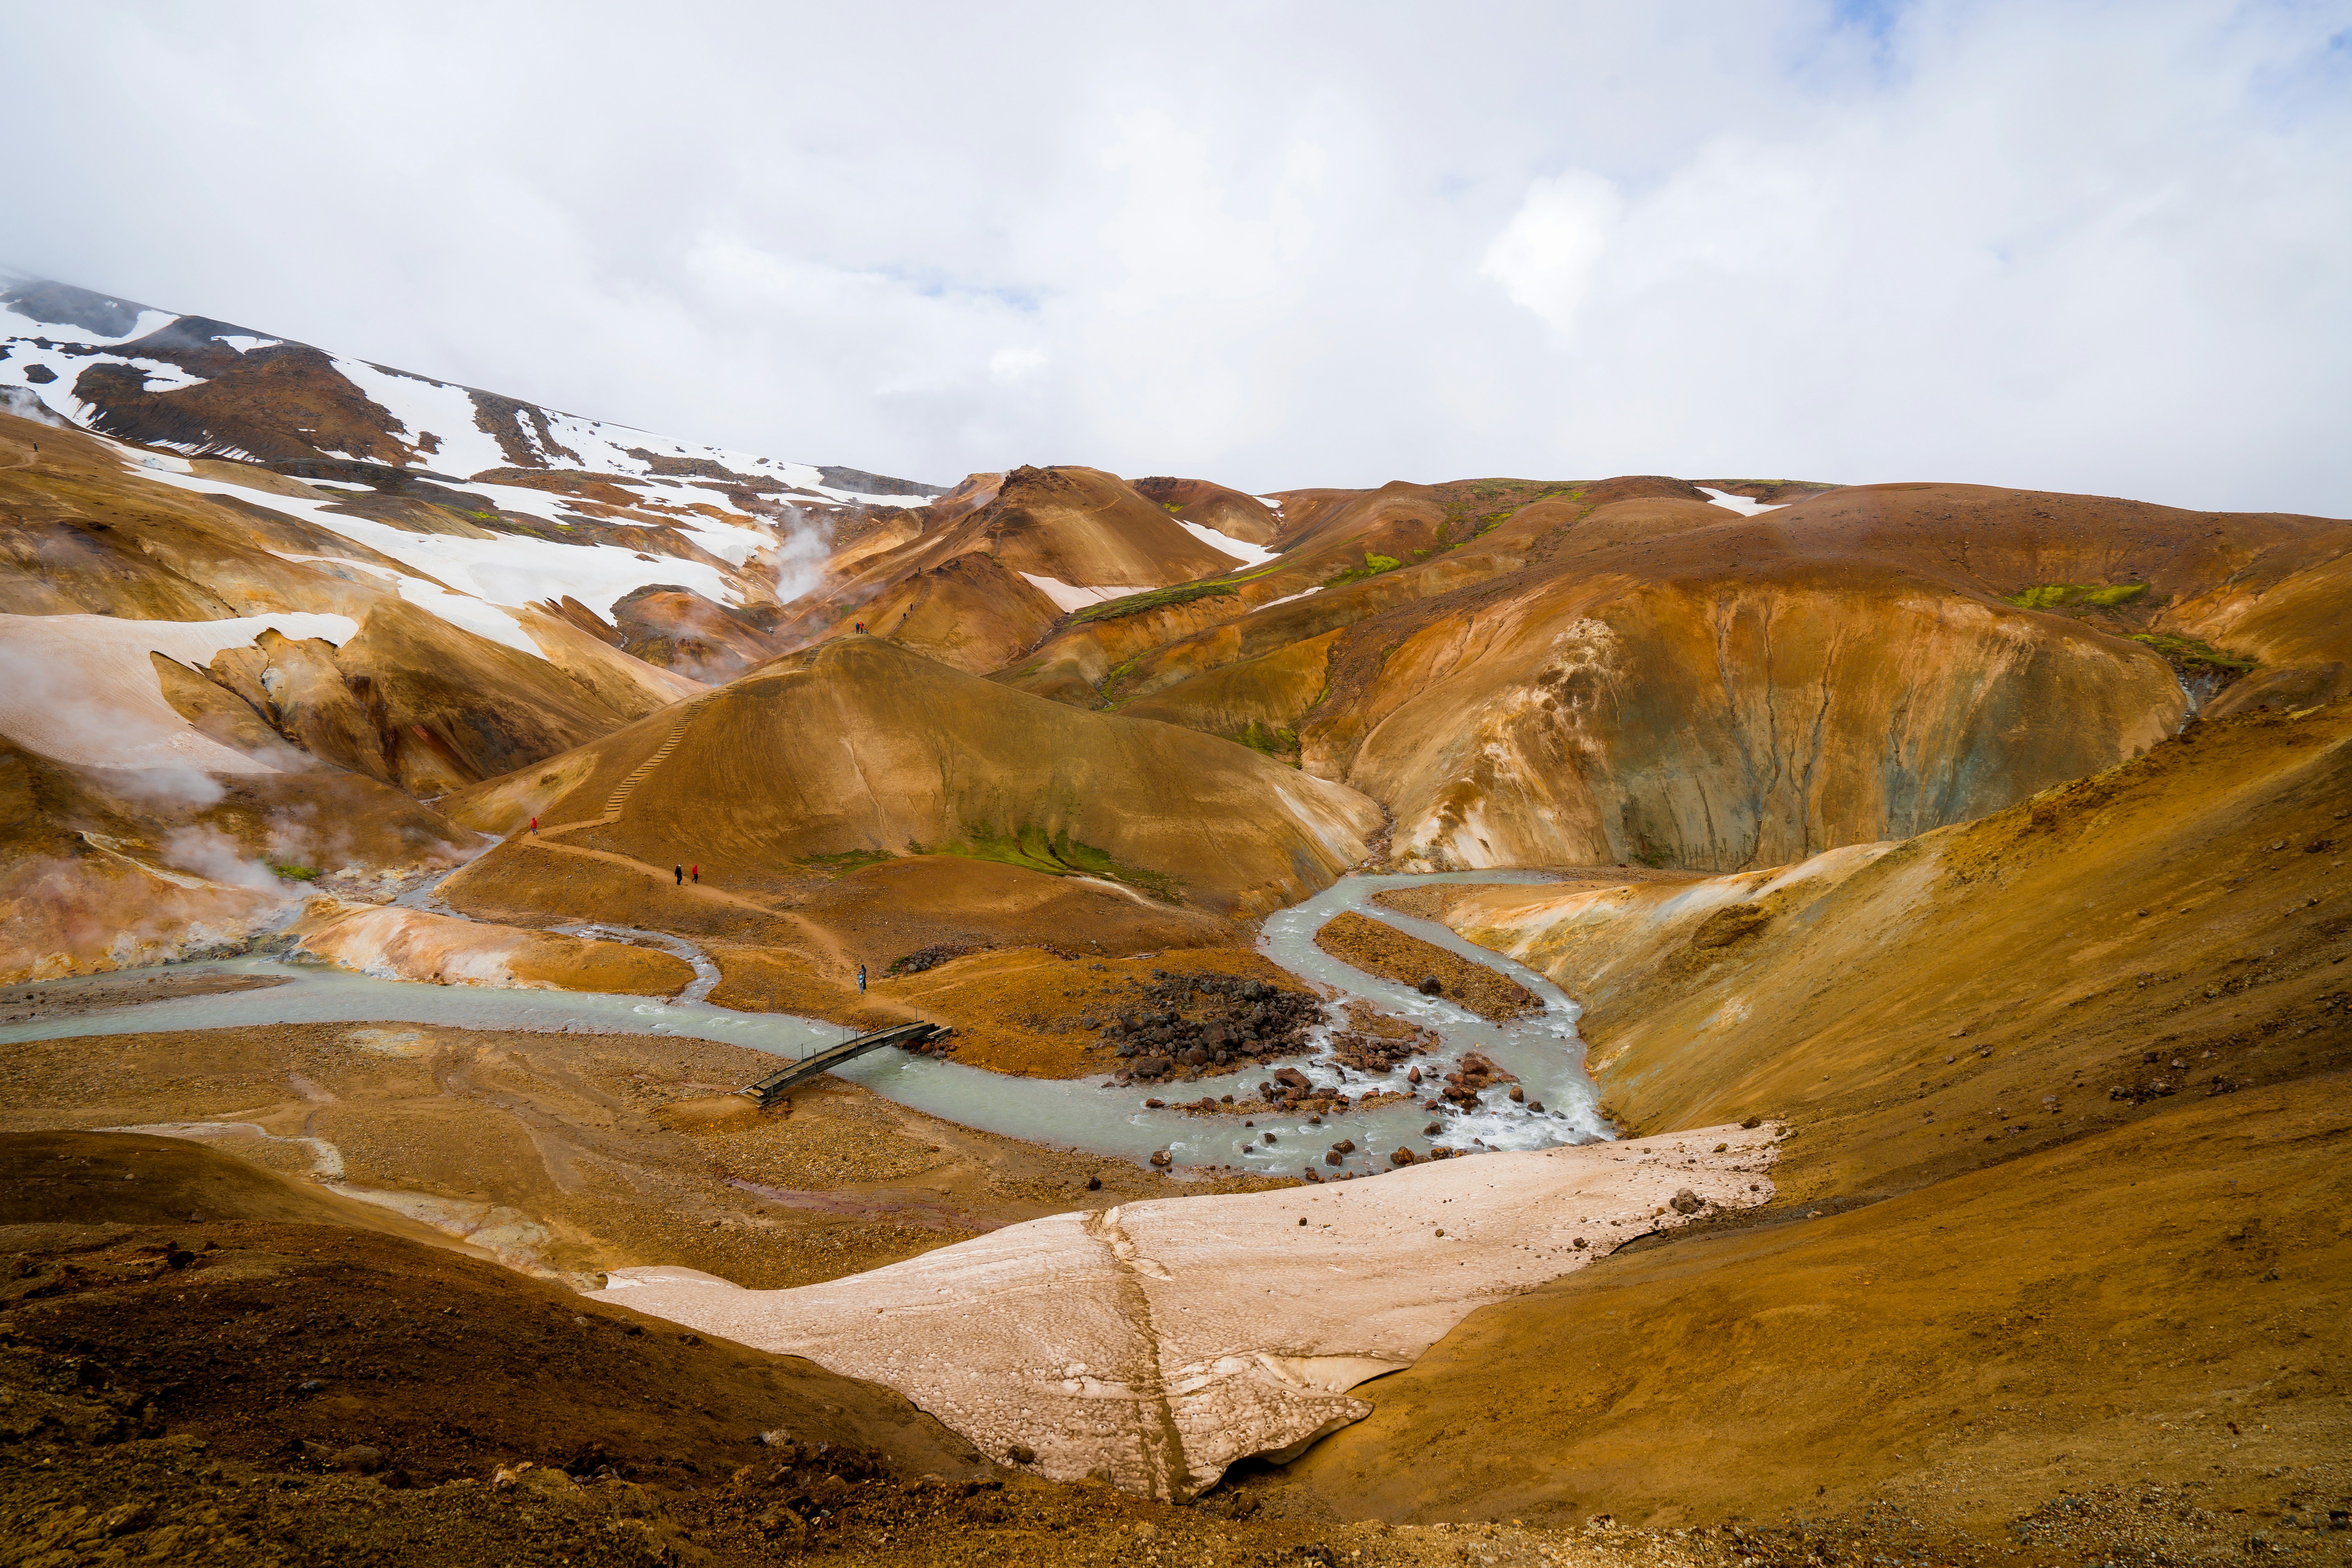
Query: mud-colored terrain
{"x": 1378, "y": 948}
{"x": 2063, "y": 1204}
{"x": 570, "y": 1155}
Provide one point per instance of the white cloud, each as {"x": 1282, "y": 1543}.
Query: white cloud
{"x": 1546, "y": 255}
{"x": 2091, "y": 247}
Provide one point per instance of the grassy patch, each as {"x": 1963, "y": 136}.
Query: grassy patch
{"x": 848, "y": 860}
{"x": 2066, "y": 595}
{"x": 296, "y": 873}
{"x": 1372, "y": 567}
{"x": 1152, "y": 599}
{"x": 1280, "y": 744}
{"x": 1056, "y": 855}
{"x": 2195, "y": 655}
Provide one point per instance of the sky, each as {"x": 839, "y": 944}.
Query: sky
{"x": 2082, "y": 246}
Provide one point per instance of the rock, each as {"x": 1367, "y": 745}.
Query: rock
{"x": 310, "y": 1385}
{"x": 1519, "y": 1095}
{"x": 1433, "y": 1130}
{"x": 360, "y": 1459}
{"x": 1430, "y": 986}
{"x": 1401, "y": 1157}
{"x": 1021, "y": 1454}
{"x": 1331, "y": 1157}
{"x": 1723, "y": 1147}
{"x": 1578, "y": 1244}
{"x": 784, "y": 1523}
{"x": 1265, "y": 1137}
{"x": 1094, "y": 1183}
{"x": 1687, "y": 1202}
{"x": 1160, "y": 1159}
{"x": 1753, "y": 1121}
{"x": 1153, "y": 1104}
{"x": 1345, "y": 1145}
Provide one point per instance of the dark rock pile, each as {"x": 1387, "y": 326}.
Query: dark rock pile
{"x": 1478, "y": 1072}
{"x": 1384, "y": 1047}
{"x": 929, "y": 957}
{"x": 1190, "y": 1024}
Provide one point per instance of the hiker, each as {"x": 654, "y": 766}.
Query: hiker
{"x": 861, "y": 979}
{"x": 679, "y": 872}
{"x": 861, "y": 628}
{"x": 534, "y": 825}
{"x": 694, "y": 872}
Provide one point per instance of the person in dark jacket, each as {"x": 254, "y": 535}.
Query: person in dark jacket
{"x": 679, "y": 872}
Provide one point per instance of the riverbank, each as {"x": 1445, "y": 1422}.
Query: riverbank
{"x": 1378, "y": 948}
{"x": 83, "y": 994}
{"x": 569, "y": 1155}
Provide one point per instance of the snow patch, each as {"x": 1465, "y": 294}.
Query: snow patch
{"x": 1068, "y": 596}
{"x": 81, "y": 690}
{"x": 505, "y": 569}
{"x": 425, "y": 407}
{"x": 1241, "y": 550}
{"x": 1740, "y": 504}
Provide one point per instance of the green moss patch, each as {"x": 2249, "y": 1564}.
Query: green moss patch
{"x": 2067, "y": 595}
{"x": 2193, "y": 654}
{"x": 1152, "y": 599}
{"x": 1281, "y": 745}
{"x": 1056, "y": 855}
{"x": 1372, "y": 567}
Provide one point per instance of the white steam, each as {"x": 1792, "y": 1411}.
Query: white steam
{"x": 214, "y": 855}
{"x": 806, "y": 546}
{"x": 25, "y": 404}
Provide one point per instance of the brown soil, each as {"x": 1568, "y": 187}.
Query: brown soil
{"x": 1378, "y": 948}
{"x": 1025, "y": 1012}
{"x": 276, "y": 1343}
{"x": 571, "y": 1153}
{"x": 1437, "y": 898}
{"x": 98, "y": 993}
{"x": 2157, "y": 1308}
{"x": 945, "y": 768}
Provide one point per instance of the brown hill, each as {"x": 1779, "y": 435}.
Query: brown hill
{"x": 960, "y": 589}
{"x": 857, "y": 753}
{"x": 1212, "y": 506}
{"x": 104, "y": 868}
{"x": 2066, "y": 1085}
{"x": 1624, "y": 670}
{"x": 328, "y": 1312}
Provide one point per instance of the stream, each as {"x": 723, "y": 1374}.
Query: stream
{"x": 1543, "y": 1049}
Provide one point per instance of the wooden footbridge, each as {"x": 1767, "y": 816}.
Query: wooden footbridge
{"x": 777, "y": 1084}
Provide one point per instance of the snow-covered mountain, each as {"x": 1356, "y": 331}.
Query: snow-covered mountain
{"x": 212, "y": 389}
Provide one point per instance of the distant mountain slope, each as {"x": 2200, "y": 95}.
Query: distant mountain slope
{"x": 211, "y": 389}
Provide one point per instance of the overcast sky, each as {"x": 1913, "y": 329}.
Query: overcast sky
{"x": 2100, "y": 248}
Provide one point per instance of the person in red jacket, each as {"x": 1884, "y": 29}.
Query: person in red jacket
{"x": 696, "y": 873}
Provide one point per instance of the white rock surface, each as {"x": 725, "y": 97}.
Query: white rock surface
{"x": 1156, "y": 1343}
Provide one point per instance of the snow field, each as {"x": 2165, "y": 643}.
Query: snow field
{"x": 1740, "y": 504}
{"x": 1069, "y": 596}
{"x": 505, "y": 569}
{"x": 81, "y": 690}
{"x": 1241, "y": 550}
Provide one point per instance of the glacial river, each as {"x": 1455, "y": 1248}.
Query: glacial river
{"x": 1542, "y": 1050}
